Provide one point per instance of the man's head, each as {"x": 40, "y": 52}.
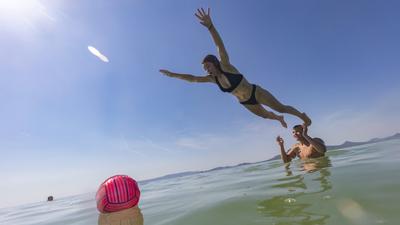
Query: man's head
{"x": 297, "y": 132}
{"x": 212, "y": 65}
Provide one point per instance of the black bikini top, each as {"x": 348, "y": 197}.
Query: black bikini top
{"x": 234, "y": 81}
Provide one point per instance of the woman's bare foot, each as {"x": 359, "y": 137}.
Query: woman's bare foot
{"x": 306, "y": 119}
{"x": 283, "y": 123}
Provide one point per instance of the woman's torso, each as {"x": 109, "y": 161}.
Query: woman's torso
{"x": 243, "y": 89}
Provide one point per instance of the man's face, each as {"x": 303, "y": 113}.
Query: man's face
{"x": 297, "y": 133}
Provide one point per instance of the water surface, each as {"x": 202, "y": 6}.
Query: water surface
{"x": 357, "y": 185}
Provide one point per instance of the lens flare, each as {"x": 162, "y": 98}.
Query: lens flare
{"x": 98, "y": 54}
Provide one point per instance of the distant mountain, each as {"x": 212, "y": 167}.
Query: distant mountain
{"x": 330, "y": 147}
{"x": 274, "y": 158}
{"x": 347, "y": 144}
{"x": 191, "y": 173}
{"x": 182, "y": 174}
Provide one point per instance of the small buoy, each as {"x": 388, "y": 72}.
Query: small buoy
{"x": 117, "y": 193}
{"x": 50, "y": 198}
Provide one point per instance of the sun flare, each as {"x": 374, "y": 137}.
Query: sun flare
{"x": 22, "y": 12}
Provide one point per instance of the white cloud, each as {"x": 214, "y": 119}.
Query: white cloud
{"x": 255, "y": 139}
{"x": 249, "y": 141}
{"x": 189, "y": 142}
{"x": 379, "y": 119}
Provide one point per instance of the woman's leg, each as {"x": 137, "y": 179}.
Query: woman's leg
{"x": 266, "y": 98}
{"x": 260, "y": 111}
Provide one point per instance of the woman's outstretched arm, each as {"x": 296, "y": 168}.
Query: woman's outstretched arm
{"x": 205, "y": 20}
{"x": 188, "y": 77}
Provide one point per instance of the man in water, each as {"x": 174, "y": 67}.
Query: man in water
{"x": 306, "y": 148}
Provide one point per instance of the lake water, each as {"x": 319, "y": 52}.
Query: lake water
{"x": 357, "y": 185}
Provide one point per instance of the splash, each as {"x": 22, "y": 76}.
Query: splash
{"x": 290, "y": 200}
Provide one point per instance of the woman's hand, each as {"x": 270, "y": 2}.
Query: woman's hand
{"x": 204, "y": 17}
{"x": 280, "y": 140}
{"x": 166, "y": 73}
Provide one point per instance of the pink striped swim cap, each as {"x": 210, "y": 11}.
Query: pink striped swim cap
{"x": 117, "y": 193}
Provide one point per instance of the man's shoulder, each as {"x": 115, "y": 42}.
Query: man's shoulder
{"x": 319, "y": 140}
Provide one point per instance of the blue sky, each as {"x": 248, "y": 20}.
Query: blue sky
{"x": 70, "y": 120}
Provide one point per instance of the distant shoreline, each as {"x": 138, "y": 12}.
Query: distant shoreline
{"x": 346, "y": 144}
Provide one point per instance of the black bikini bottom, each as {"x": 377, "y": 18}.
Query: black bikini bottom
{"x": 252, "y": 100}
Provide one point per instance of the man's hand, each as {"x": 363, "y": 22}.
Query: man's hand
{"x": 279, "y": 140}
{"x": 204, "y": 17}
{"x": 305, "y": 130}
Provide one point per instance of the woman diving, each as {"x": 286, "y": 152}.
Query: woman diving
{"x": 229, "y": 79}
